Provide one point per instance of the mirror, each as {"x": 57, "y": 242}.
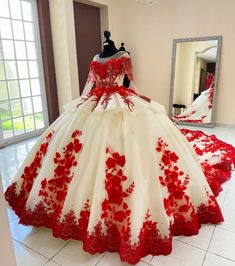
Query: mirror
{"x": 195, "y": 65}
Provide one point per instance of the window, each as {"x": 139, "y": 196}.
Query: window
{"x": 23, "y": 110}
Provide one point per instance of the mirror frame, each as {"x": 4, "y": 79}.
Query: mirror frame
{"x": 175, "y": 41}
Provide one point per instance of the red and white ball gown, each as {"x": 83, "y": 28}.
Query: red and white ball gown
{"x": 114, "y": 172}
{"x": 200, "y": 110}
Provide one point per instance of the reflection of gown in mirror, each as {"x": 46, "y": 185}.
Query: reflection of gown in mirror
{"x": 199, "y": 111}
{"x": 114, "y": 172}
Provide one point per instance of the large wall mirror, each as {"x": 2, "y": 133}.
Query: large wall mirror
{"x": 195, "y": 65}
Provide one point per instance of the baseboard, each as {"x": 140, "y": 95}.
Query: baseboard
{"x": 224, "y": 125}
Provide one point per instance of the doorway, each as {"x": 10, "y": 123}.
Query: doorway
{"x": 88, "y": 38}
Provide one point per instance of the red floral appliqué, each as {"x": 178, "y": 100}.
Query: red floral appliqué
{"x": 209, "y": 93}
{"x": 71, "y": 226}
{"x": 104, "y": 75}
{"x": 18, "y": 201}
{"x": 217, "y": 168}
{"x": 177, "y": 204}
{"x": 112, "y": 232}
{"x": 103, "y": 95}
{"x": 115, "y": 219}
{"x": 53, "y": 191}
{"x": 115, "y": 211}
{"x": 114, "y": 206}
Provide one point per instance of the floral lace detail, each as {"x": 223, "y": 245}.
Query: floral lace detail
{"x": 53, "y": 191}
{"x": 198, "y": 121}
{"x": 113, "y": 231}
{"x": 186, "y": 116}
{"x": 115, "y": 211}
{"x": 103, "y": 96}
{"x": 211, "y": 212}
{"x": 177, "y": 204}
{"x": 104, "y": 76}
{"x": 218, "y": 167}
{"x": 90, "y": 77}
{"x": 30, "y": 173}
{"x": 106, "y": 73}
{"x": 186, "y": 219}
{"x": 116, "y": 219}
{"x": 211, "y": 95}
{"x": 70, "y": 227}
{"x": 114, "y": 206}
{"x": 39, "y": 216}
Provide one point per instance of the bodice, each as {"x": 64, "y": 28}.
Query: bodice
{"x": 105, "y": 91}
{"x": 110, "y": 73}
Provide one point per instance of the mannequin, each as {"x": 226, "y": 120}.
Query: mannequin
{"x": 122, "y": 48}
{"x": 109, "y": 49}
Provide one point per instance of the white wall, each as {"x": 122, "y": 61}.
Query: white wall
{"x": 200, "y": 64}
{"x": 148, "y": 33}
{"x": 186, "y": 73}
{"x": 7, "y": 256}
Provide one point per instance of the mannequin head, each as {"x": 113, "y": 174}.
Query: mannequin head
{"x": 109, "y": 47}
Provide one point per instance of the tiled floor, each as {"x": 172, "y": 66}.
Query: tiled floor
{"x": 214, "y": 246}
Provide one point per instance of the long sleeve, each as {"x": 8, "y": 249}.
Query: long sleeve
{"x": 87, "y": 88}
{"x": 127, "y": 64}
{"x": 89, "y": 83}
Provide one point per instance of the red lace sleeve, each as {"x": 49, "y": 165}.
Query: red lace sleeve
{"x": 128, "y": 68}
{"x": 90, "y": 82}
{"x": 90, "y": 77}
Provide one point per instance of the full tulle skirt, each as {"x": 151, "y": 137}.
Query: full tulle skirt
{"x": 121, "y": 179}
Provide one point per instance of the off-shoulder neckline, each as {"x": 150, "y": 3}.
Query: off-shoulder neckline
{"x": 110, "y": 58}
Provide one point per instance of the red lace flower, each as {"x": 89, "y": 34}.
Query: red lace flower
{"x": 28, "y": 177}
{"x": 58, "y": 185}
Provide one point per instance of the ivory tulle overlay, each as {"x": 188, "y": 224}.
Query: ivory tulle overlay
{"x": 199, "y": 111}
{"x": 216, "y": 157}
{"x": 114, "y": 172}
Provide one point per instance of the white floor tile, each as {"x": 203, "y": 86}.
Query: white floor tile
{"x": 28, "y": 257}
{"x": 176, "y": 237}
{"x": 229, "y": 220}
{"x": 5, "y": 182}
{"x": 232, "y": 182}
{"x": 22, "y": 149}
{"x": 223, "y": 243}
{"x": 113, "y": 259}
{"x": 229, "y": 202}
{"x": 21, "y": 232}
{"x": 214, "y": 260}
{"x": 12, "y": 174}
{"x": 51, "y": 263}
{"x": 44, "y": 242}
{"x": 11, "y": 215}
{"x": 73, "y": 255}
{"x": 182, "y": 255}
{"x": 221, "y": 197}
{"x": 8, "y": 169}
{"x": 147, "y": 259}
{"x": 201, "y": 240}
{"x": 141, "y": 264}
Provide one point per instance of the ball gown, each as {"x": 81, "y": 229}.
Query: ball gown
{"x": 199, "y": 111}
{"x": 114, "y": 172}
